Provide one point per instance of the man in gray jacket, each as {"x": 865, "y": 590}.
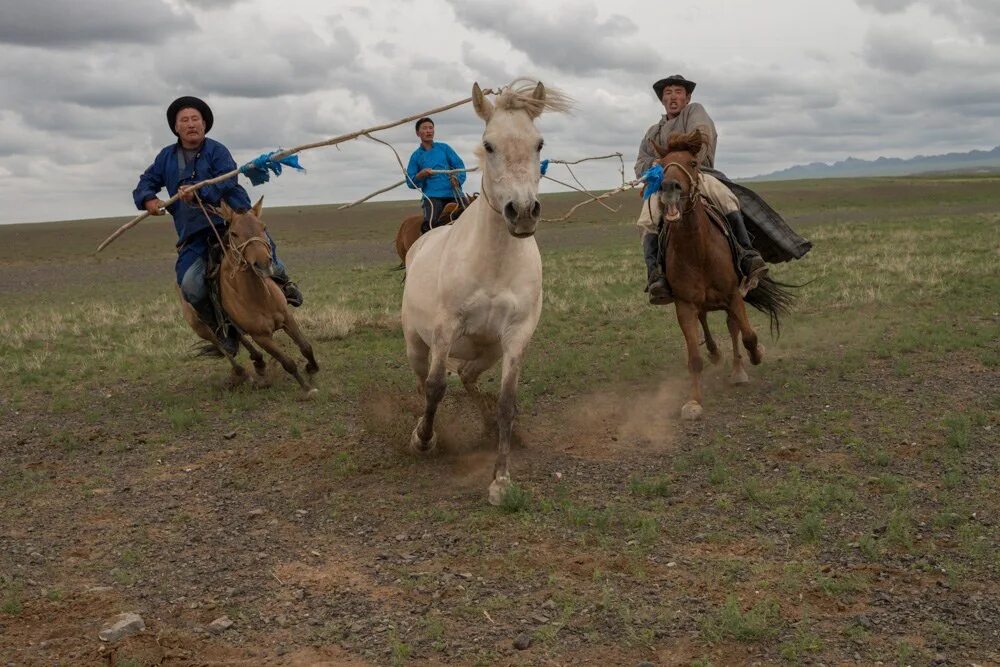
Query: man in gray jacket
{"x": 683, "y": 116}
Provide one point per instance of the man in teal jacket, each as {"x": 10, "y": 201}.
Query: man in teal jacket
{"x": 438, "y": 189}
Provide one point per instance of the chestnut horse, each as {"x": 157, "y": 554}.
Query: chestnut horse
{"x": 700, "y": 269}
{"x": 409, "y": 231}
{"x": 252, "y": 300}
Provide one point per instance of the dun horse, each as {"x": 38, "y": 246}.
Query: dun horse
{"x": 473, "y": 290}
{"x": 700, "y": 270}
{"x": 252, "y": 300}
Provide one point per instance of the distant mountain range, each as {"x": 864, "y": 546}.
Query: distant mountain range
{"x": 890, "y": 166}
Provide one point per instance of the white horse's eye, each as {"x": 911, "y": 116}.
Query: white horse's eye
{"x": 541, "y": 144}
{"x": 488, "y": 146}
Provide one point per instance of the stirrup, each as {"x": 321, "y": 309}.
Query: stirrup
{"x": 293, "y": 295}
{"x": 659, "y": 294}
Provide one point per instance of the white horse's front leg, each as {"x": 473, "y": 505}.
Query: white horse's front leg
{"x": 424, "y": 438}
{"x": 506, "y": 411}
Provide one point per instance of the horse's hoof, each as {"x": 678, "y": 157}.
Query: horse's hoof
{"x": 759, "y": 356}
{"x": 691, "y": 411}
{"x": 310, "y": 394}
{"x": 236, "y": 378}
{"x": 498, "y": 488}
{"x": 417, "y": 445}
{"x": 714, "y": 357}
{"x": 740, "y": 377}
{"x": 312, "y": 369}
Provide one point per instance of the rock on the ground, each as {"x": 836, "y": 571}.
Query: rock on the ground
{"x": 121, "y": 626}
{"x": 220, "y": 624}
{"x": 522, "y": 641}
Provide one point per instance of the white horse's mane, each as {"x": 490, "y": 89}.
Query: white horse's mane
{"x": 518, "y": 95}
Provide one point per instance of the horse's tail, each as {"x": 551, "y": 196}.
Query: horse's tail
{"x": 206, "y": 350}
{"x": 401, "y": 267}
{"x": 773, "y": 298}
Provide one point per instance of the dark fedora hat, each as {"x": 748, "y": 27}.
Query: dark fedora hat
{"x": 673, "y": 80}
{"x": 188, "y": 102}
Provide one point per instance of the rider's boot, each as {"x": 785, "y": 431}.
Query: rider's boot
{"x": 293, "y": 295}
{"x": 751, "y": 262}
{"x": 659, "y": 293}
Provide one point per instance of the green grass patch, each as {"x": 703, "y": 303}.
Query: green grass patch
{"x": 762, "y": 621}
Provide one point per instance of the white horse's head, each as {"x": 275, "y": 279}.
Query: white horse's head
{"x": 510, "y": 149}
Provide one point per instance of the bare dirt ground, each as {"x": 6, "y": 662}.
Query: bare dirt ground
{"x": 840, "y": 510}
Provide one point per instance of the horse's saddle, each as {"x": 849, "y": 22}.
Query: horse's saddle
{"x": 213, "y": 265}
{"x": 451, "y": 211}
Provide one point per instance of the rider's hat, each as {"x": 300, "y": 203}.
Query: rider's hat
{"x": 188, "y": 102}
{"x": 673, "y": 80}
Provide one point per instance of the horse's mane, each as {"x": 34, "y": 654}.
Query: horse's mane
{"x": 518, "y": 95}
{"x": 690, "y": 142}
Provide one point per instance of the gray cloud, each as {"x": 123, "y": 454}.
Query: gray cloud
{"x": 73, "y": 24}
{"x": 887, "y": 6}
{"x": 896, "y": 51}
{"x": 571, "y": 39}
{"x": 211, "y": 4}
{"x": 294, "y": 62}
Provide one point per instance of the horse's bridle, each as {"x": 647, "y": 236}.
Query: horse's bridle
{"x": 240, "y": 262}
{"x": 487, "y": 197}
{"x": 693, "y": 195}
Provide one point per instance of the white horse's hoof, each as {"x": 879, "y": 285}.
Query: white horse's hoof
{"x": 691, "y": 411}
{"x": 497, "y": 490}
{"x": 418, "y": 446}
{"x": 740, "y": 377}
{"x": 310, "y": 394}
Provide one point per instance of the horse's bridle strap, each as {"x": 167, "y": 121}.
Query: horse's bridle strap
{"x": 692, "y": 196}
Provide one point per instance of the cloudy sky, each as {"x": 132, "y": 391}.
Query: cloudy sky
{"x": 84, "y": 83}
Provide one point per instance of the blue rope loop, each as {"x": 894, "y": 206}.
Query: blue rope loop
{"x": 544, "y": 166}
{"x": 654, "y": 180}
{"x": 257, "y": 169}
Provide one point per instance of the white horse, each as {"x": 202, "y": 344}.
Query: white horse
{"x": 473, "y": 290}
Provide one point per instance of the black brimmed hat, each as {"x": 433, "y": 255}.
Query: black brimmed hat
{"x": 673, "y": 80}
{"x": 188, "y": 102}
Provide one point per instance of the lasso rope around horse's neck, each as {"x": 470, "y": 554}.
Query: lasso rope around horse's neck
{"x": 486, "y": 196}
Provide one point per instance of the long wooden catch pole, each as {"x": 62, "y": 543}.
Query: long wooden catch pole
{"x": 285, "y": 153}
{"x": 398, "y": 183}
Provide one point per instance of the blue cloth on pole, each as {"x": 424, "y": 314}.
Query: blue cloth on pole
{"x": 654, "y": 179}
{"x": 544, "y": 166}
{"x": 257, "y": 169}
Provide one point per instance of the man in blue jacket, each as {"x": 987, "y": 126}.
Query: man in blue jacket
{"x": 438, "y": 189}
{"x": 194, "y": 158}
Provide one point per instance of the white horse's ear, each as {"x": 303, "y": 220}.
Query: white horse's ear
{"x": 258, "y": 207}
{"x": 483, "y": 107}
{"x": 539, "y": 96}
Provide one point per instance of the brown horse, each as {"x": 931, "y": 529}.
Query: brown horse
{"x": 700, "y": 269}
{"x": 252, "y": 300}
{"x": 409, "y": 231}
